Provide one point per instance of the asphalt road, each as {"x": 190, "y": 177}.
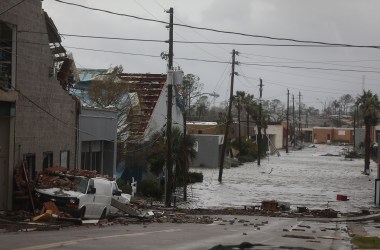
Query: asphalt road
{"x": 228, "y": 230}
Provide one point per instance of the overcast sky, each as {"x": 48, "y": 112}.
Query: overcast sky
{"x": 340, "y": 21}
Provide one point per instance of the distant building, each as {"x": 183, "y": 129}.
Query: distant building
{"x": 209, "y": 128}
{"x": 143, "y": 112}
{"x": 332, "y": 135}
{"x": 97, "y": 140}
{"x": 208, "y": 148}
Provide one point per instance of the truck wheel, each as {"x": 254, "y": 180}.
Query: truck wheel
{"x": 104, "y": 214}
{"x": 82, "y": 213}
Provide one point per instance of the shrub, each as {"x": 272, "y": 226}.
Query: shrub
{"x": 125, "y": 188}
{"x": 194, "y": 177}
{"x": 150, "y": 188}
{"x": 247, "y": 158}
{"x": 353, "y": 154}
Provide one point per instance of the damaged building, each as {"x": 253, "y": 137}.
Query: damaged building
{"x": 141, "y": 113}
{"x": 38, "y": 117}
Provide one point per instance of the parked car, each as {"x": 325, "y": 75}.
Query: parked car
{"x": 88, "y": 198}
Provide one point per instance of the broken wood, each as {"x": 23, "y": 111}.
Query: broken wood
{"x": 28, "y": 186}
{"x": 124, "y": 207}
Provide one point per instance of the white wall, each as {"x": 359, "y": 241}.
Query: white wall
{"x": 276, "y": 134}
{"x": 159, "y": 115}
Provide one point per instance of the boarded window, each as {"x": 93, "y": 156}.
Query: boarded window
{"x": 91, "y": 156}
{"x": 30, "y": 165}
{"x": 65, "y": 159}
{"x": 48, "y": 160}
{"x": 6, "y": 36}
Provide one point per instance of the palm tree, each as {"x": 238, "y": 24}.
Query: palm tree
{"x": 238, "y": 100}
{"x": 369, "y": 106}
{"x": 157, "y": 155}
{"x": 250, "y": 106}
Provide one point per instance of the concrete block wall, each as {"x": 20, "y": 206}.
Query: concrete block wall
{"x": 36, "y": 130}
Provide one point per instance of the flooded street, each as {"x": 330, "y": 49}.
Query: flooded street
{"x": 302, "y": 178}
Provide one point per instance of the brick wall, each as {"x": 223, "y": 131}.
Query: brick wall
{"x": 35, "y": 130}
{"x": 322, "y": 135}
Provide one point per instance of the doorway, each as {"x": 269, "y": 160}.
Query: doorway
{"x": 4, "y": 159}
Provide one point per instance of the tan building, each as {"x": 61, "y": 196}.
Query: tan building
{"x": 209, "y": 128}
{"x": 38, "y": 118}
{"x": 331, "y": 135}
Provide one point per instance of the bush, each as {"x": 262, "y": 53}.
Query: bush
{"x": 125, "y": 188}
{"x": 249, "y": 151}
{"x": 194, "y": 177}
{"x": 247, "y": 158}
{"x": 150, "y": 188}
{"x": 353, "y": 154}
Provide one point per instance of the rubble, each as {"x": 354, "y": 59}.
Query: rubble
{"x": 269, "y": 205}
{"x": 63, "y": 178}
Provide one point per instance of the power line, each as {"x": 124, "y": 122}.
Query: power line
{"x": 261, "y": 44}
{"x": 113, "y": 52}
{"x": 147, "y": 55}
{"x": 207, "y": 52}
{"x": 309, "y": 68}
{"x": 225, "y": 62}
{"x": 183, "y": 42}
{"x": 293, "y": 60}
{"x": 225, "y": 32}
{"x": 289, "y": 86}
{"x": 201, "y": 60}
{"x": 55, "y": 117}
{"x": 116, "y": 38}
{"x": 12, "y": 7}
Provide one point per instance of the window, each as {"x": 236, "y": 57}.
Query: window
{"x": 65, "y": 159}
{"x": 91, "y": 156}
{"x": 48, "y": 160}
{"x": 6, "y": 37}
{"x": 30, "y": 165}
{"x": 328, "y": 136}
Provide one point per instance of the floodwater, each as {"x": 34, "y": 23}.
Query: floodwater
{"x": 302, "y": 178}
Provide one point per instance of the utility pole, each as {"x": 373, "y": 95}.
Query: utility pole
{"x": 354, "y": 129}
{"x": 294, "y": 126}
{"x": 184, "y": 156}
{"x": 299, "y": 112}
{"x": 339, "y": 117}
{"x": 229, "y": 118}
{"x": 287, "y": 124}
{"x": 169, "y": 159}
{"x": 259, "y": 125}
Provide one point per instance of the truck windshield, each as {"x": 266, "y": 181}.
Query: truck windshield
{"x": 81, "y": 184}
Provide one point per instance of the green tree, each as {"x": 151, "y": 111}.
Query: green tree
{"x": 109, "y": 91}
{"x": 180, "y": 148}
{"x": 191, "y": 87}
{"x": 250, "y": 107}
{"x": 346, "y": 101}
{"x": 201, "y": 107}
{"x": 369, "y": 106}
{"x": 238, "y": 101}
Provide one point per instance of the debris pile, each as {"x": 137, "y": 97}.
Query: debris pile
{"x": 325, "y": 213}
{"x": 269, "y": 205}
{"x": 61, "y": 177}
